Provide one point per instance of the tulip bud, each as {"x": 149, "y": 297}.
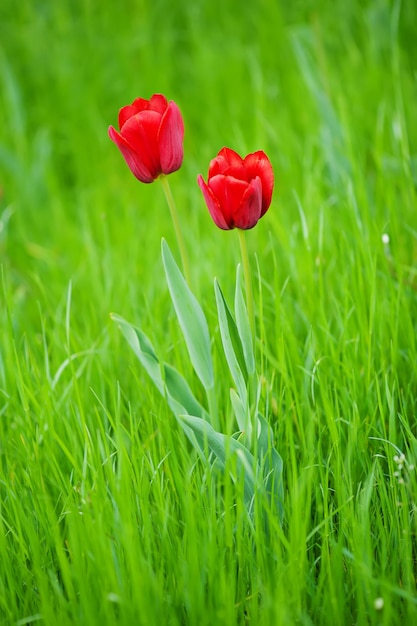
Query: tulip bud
{"x": 238, "y": 191}
{"x": 151, "y": 137}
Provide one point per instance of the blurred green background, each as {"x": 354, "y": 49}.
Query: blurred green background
{"x": 312, "y": 83}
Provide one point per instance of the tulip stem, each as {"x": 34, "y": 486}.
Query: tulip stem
{"x": 174, "y": 215}
{"x": 248, "y": 280}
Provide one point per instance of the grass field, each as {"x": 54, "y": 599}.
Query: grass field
{"x": 106, "y": 515}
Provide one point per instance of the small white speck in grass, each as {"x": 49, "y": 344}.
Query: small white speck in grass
{"x": 379, "y": 604}
{"x": 113, "y": 597}
{"x": 385, "y": 239}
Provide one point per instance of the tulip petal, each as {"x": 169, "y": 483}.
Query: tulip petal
{"x": 250, "y": 208}
{"x": 125, "y": 113}
{"x": 258, "y": 164}
{"x": 170, "y": 139}
{"x": 158, "y": 103}
{"x": 228, "y": 163}
{"x": 229, "y": 192}
{"x": 141, "y": 133}
{"x": 212, "y": 205}
{"x": 132, "y": 159}
{"x": 232, "y": 157}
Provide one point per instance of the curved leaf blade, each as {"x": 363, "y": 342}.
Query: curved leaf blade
{"x": 191, "y": 319}
{"x": 222, "y": 446}
{"x": 243, "y": 324}
{"x": 231, "y": 343}
{"x": 166, "y": 379}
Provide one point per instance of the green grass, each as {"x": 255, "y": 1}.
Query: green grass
{"x": 106, "y": 517}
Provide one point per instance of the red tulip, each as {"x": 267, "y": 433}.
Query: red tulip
{"x": 151, "y": 137}
{"x": 238, "y": 191}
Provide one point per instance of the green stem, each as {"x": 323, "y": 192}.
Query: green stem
{"x": 248, "y": 280}
{"x": 174, "y": 215}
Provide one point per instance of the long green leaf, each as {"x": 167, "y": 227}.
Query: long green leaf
{"x": 222, "y": 446}
{"x": 271, "y": 466}
{"x": 243, "y": 324}
{"x": 179, "y": 389}
{"x": 231, "y": 343}
{"x": 167, "y": 380}
{"x": 272, "y": 471}
{"x": 191, "y": 319}
{"x": 242, "y": 414}
{"x": 143, "y": 349}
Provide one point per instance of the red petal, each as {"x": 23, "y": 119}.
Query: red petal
{"x": 138, "y": 105}
{"x": 141, "y": 133}
{"x": 170, "y": 139}
{"x": 229, "y": 192}
{"x": 250, "y": 207}
{"x": 158, "y": 103}
{"x": 134, "y": 163}
{"x": 213, "y": 205}
{"x": 258, "y": 164}
{"x": 228, "y": 163}
{"x": 232, "y": 157}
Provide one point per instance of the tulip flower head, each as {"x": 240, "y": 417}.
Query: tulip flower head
{"x": 238, "y": 191}
{"x": 151, "y": 137}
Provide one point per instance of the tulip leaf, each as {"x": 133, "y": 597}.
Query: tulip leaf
{"x": 272, "y": 466}
{"x": 178, "y": 388}
{"x": 191, "y": 319}
{"x": 243, "y": 324}
{"x": 265, "y": 436}
{"x": 272, "y": 470}
{"x": 231, "y": 343}
{"x": 166, "y": 379}
{"x": 143, "y": 349}
{"x": 241, "y": 412}
{"x": 223, "y": 446}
